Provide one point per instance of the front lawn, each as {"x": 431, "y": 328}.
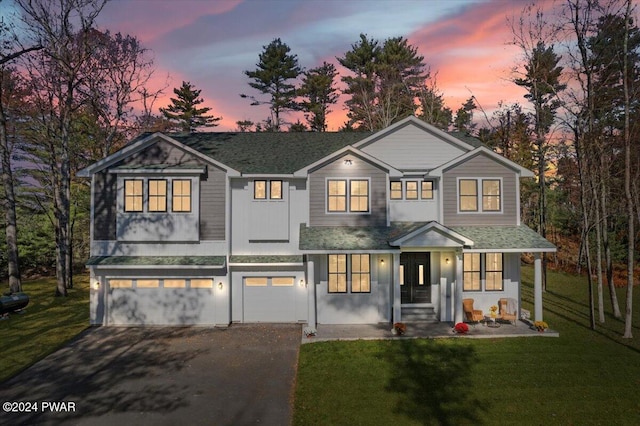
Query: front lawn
{"x": 582, "y": 377}
{"x": 47, "y": 323}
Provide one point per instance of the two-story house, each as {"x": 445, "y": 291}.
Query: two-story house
{"x": 333, "y": 228}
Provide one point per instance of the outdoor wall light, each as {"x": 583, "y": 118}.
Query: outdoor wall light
{"x": 447, "y": 261}
{"x": 220, "y": 285}
{"x": 96, "y": 285}
{"x": 382, "y": 261}
{"x": 301, "y": 283}
{"x": 348, "y": 162}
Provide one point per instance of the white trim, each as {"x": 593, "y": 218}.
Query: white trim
{"x": 511, "y": 250}
{"x": 341, "y": 251}
{"x": 162, "y": 267}
{"x": 165, "y": 172}
{"x": 263, "y": 265}
{"x": 427, "y": 227}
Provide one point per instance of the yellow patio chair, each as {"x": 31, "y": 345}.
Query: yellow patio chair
{"x": 471, "y": 315}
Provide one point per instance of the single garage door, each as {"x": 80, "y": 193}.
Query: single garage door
{"x": 270, "y": 299}
{"x": 164, "y": 301}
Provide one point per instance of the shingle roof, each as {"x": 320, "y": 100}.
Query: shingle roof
{"x": 178, "y": 261}
{"x": 269, "y": 152}
{"x": 504, "y": 238}
{"x": 498, "y": 238}
{"x": 260, "y": 259}
{"x": 274, "y": 152}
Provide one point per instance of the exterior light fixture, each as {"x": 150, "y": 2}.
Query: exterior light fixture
{"x": 348, "y": 162}
{"x": 382, "y": 261}
{"x": 301, "y": 283}
{"x": 96, "y": 285}
{"x": 447, "y": 261}
{"x": 220, "y": 285}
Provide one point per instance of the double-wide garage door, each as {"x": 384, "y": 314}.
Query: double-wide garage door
{"x": 160, "y": 301}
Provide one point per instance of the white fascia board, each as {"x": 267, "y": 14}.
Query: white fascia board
{"x": 350, "y": 251}
{"x": 153, "y": 267}
{"x": 262, "y": 265}
{"x": 524, "y": 172}
{"x": 393, "y": 172}
{"x": 169, "y": 171}
{"x": 267, "y": 176}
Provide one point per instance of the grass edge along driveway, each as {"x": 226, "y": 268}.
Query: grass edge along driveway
{"x": 583, "y": 377}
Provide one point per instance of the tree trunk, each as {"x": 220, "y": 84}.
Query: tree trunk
{"x": 11, "y": 229}
{"x": 596, "y": 199}
{"x": 613, "y": 296}
{"x": 628, "y": 334}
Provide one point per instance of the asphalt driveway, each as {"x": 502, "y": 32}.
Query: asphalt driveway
{"x": 241, "y": 375}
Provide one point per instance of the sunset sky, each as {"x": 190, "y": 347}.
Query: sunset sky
{"x": 211, "y": 42}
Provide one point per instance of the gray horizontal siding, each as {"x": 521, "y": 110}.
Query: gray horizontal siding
{"x": 478, "y": 167}
{"x": 358, "y": 169}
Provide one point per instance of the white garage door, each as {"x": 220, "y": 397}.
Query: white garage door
{"x": 166, "y": 301}
{"x": 270, "y": 299}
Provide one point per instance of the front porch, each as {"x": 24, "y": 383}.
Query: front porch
{"x": 421, "y": 330}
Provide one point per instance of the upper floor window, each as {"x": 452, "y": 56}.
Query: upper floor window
{"x": 267, "y": 189}
{"x": 348, "y": 195}
{"x": 396, "y": 190}
{"x": 181, "y": 195}
{"x": 479, "y": 195}
{"x": 133, "y": 195}
{"x": 413, "y": 190}
{"x": 157, "y": 195}
{"x": 426, "y": 190}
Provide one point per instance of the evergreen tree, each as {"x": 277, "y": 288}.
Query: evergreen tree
{"x": 432, "y": 107}
{"x": 276, "y": 68}
{"x": 384, "y": 83}
{"x": 319, "y": 93}
{"x": 464, "y": 117}
{"x": 184, "y": 110}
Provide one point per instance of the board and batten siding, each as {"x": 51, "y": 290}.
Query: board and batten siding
{"x": 413, "y": 148}
{"x": 337, "y": 169}
{"x": 213, "y": 205}
{"x": 104, "y": 204}
{"x": 480, "y": 166}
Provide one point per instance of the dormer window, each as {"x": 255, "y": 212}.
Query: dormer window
{"x": 157, "y": 195}
{"x": 267, "y": 189}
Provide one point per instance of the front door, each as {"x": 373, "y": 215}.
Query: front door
{"x": 415, "y": 278}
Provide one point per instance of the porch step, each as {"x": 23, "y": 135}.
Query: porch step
{"x": 419, "y": 314}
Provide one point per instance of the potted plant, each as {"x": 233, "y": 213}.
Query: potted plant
{"x": 309, "y": 331}
{"x": 541, "y": 326}
{"x": 493, "y": 311}
{"x": 399, "y": 328}
{"x": 461, "y": 328}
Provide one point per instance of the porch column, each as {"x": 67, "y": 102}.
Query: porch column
{"x": 395, "y": 279}
{"x": 537, "y": 287}
{"x": 457, "y": 300}
{"x": 311, "y": 295}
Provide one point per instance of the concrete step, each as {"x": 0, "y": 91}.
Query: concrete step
{"x": 419, "y": 314}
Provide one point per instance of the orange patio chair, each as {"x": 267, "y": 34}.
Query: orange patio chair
{"x": 471, "y": 315}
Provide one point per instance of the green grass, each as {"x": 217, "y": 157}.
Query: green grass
{"x": 583, "y": 377}
{"x": 47, "y": 323}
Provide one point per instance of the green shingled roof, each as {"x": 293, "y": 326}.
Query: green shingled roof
{"x": 499, "y": 238}
{"x": 504, "y": 238}
{"x": 274, "y": 152}
{"x": 217, "y": 261}
{"x": 269, "y": 152}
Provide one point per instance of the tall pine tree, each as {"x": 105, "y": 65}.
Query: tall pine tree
{"x": 184, "y": 111}
{"x": 276, "y": 68}
{"x": 319, "y": 93}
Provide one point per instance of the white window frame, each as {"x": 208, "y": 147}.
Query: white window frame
{"x": 479, "y": 195}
